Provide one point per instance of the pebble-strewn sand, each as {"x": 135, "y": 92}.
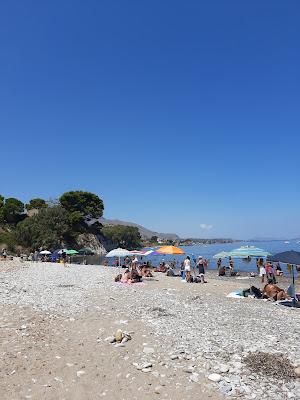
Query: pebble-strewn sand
{"x": 54, "y": 322}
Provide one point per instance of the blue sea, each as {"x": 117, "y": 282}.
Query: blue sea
{"x": 208, "y": 251}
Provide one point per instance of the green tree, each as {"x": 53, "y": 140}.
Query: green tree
{"x": 124, "y": 236}
{"x": 12, "y": 211}
{"x": 36, "y": 204}
{"x": 81, "y": 206}
{"x": 1, "y": 210}
{"x": 8, "y": 240}
{"x": 154, "y": 239}
{"x": 50, "y": 228}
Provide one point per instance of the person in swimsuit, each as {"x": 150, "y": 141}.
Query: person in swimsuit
{"x": 187, "y": 268}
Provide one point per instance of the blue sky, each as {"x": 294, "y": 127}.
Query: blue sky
{"x": 182, "y": 115}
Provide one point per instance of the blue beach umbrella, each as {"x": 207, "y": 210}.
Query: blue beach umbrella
{"x": 248, "y": 251}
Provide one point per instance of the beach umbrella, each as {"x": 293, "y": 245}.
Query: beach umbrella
{"x": 248, "y": 251}
{"x": 61, "y": 251}
{"x": 71, "y": 252}
{"x": 169, "y": 250}
{"x": 86, "y": 251}
{"x": 118, "y": 253}
{"x": 288, "y": 257}
{"x": 45, "y": 252}
{"x": 222, "y": 254}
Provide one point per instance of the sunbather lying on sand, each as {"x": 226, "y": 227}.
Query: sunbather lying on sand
{"x": 125, "y": 278}
{"x": 272, "y": 291}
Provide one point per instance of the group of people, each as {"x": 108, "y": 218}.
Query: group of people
{"x": 198, "y": 268}
{"x": 226, "y": 270}
{"x": 134, "y": 273}
{"x": 268, "y": 270}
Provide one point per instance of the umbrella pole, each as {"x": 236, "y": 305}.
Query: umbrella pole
{"x": 294, "y": 291}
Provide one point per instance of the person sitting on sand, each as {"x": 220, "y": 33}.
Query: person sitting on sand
{"x": 145, "y": 271}
{"x": 162, "y": 267}
{"x": 126, "y": 277}
{"x": 271, "y": 291}
{"x": 278, "y": 270}
{"x": 222, "y": 271}
{"x": 135, "y": 276}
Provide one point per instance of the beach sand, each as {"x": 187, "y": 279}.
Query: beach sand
{"x": 54, "y": 322}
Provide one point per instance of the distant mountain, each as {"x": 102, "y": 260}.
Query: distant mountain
{"x": 145, "y": 233}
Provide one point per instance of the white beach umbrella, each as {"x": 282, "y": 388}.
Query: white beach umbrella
{"x": 61, "y": 251}
{"x": 118, "y": 253}
{"x": 223, "y": 254}
{"x": 45, "y": 252}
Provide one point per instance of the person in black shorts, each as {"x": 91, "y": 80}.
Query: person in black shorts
{"x": 64, "y": 257}
{"x": 201, "y": 269}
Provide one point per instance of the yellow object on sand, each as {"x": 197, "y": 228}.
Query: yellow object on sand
{"x": 169, "y": 250}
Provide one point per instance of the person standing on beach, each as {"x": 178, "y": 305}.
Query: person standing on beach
{"x": 257, "y": 265}
{"x": 201, "y": 269}
{"x": 64, "y": 258}
{"x": 262, "y": 270}
{"x": 187, "y": 268}
{"x": 219, "y": 263}
{"x": 270, "y": 273}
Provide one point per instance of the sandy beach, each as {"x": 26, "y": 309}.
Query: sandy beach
{"x": 188, "y": 341}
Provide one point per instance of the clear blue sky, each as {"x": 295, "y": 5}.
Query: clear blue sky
{"x": 183, "y": 116}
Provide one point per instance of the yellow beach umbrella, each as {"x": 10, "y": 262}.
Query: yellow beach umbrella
{"x": 169, "y": 250}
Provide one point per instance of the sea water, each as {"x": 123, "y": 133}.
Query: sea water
{"x": 208, "y": 251}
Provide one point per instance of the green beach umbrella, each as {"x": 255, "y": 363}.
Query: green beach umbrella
{"x": 71, "y": 252}
{"x": 86, "y": 251}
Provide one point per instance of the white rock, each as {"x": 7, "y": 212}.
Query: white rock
{"x": 158, "y": 389}
{"x": 148, "y": 350}
{"x": 224, "y": 368}
{"x": 214, "y": 377}
{"x": 194, "y": 378}
{"x": 80, "y": 373}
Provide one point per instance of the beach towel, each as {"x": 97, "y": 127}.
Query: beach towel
{"x": 236, "y": 295}
{"x": 130, "y": 284}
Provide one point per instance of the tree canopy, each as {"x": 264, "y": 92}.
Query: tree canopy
{"x": 124, "y": 236}
{"x": 37, "y": 204}
{"x": 12, "y": 211}
{"x": 50, "y": 228}
{"x": 81, "y": 206}
{"x": 57, "y": 223}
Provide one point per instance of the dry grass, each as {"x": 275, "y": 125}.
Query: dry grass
{"x": 275, "y": 365}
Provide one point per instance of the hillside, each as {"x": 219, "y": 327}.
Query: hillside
{"x": 145, "y": 233}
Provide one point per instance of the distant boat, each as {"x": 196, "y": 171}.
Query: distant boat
{"x": 287, "y": 242}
